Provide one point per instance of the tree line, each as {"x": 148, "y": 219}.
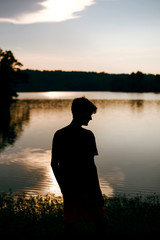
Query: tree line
{"x": 89, "y": 81}
{"x": 13, "y": 79}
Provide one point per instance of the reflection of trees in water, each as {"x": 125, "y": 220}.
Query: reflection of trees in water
{"x": 54, "y": 104}
{"x": 12, "y": 121}
{"x": 17, "y": 115}
{"x": 137, "y": 104}
{"x": 133, "y": 104}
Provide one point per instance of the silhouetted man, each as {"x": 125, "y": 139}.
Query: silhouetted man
{"x": 73, "y": 152}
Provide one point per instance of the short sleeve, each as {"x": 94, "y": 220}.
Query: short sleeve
{"x": 93, "y": 146}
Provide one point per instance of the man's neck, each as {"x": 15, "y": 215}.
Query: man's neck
{"x": 76, "y": 123}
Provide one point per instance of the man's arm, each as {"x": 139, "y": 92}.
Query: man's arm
{"x": 55, "y": 162}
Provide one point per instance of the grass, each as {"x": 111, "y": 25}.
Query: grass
{"x": 43, "y": 216}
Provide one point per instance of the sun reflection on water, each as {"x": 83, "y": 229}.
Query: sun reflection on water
{"x": 31, "y": 171}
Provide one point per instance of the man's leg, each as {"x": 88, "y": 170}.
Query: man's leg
{"x": 102, "y": 227}
{"x": 69, "y": 229}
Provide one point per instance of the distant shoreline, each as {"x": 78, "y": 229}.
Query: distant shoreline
{"x": 41, "y": 81}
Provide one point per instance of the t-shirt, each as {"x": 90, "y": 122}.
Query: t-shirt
{"x": 74, "y": 149}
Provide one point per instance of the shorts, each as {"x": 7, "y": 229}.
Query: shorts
{"x": 86, "y": 207}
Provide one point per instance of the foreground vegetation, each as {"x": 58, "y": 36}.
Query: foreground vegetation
{"x": 43, "y": 216}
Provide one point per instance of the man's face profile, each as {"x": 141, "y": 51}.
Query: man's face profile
{"x": 84, "y": 118}
{"x": 82, "y": 110}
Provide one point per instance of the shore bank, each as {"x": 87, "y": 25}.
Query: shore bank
{"x": 24, "y": 215}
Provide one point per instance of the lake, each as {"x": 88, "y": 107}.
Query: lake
{"x": 127, "y": 131}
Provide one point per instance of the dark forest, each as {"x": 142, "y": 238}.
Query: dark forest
{"x": 88, "y": 81}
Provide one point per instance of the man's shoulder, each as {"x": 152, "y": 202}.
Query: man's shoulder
{"x": 87, "y": 131}
{"x": 62, "y": 131}
{"x": 69, "y": 130}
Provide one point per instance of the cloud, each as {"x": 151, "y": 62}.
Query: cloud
{"x": 11, "y": 9}
{"x": 36, "y": 11}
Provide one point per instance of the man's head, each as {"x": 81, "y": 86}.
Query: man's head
{"x": 82, "y": 110}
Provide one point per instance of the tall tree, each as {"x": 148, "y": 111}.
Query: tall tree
{"x": 10, "y": 76}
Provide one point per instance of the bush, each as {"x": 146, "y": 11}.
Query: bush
{"x": 43, "y": 215}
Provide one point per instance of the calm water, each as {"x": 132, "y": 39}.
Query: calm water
{"x": 127, "y": 131}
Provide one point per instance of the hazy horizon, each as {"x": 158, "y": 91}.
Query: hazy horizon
{"x": 89, "y": 71}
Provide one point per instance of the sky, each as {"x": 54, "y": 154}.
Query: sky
{"x": 113, "y": 36}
